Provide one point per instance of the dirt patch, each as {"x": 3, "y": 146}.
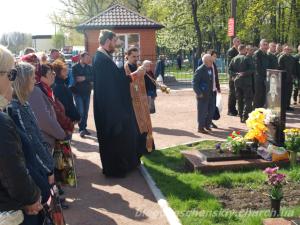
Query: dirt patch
{"x": 243, "y": 198}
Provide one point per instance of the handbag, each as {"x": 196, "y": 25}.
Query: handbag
{"x": 11, "y": 217}
{"x": 52, "y": 209}
{"x": 64, "y": 164}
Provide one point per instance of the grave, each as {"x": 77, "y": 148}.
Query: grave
{"x": 213, "y": 160}
{"x": 198, "y": 160}
{"x": 277, "y": 102}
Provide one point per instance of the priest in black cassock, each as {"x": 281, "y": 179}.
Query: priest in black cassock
{"x": 113, "y": 112}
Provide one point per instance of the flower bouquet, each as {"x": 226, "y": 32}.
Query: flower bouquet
{"x": 276, "y": 181}
{"x": 257, "y": 125}
{"x": 292, "y": 143}
{"x": 236, "y": 142}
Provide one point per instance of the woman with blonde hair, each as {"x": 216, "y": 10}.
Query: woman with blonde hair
{"x": 17, "y": 188}
{"x": 39, "y": 160}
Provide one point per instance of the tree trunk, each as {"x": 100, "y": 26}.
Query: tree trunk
{"x": 194, "y": 5}
{"x": 290, "y": 19}
{"x": 282, "y": 25}
{"x": 273, "y": 21}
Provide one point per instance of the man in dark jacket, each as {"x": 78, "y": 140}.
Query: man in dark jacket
{"x": 287, "y": 63}
{"x": 232, "y": 52}
{"x": 82, "y": 73}
{"x": 261, "y": 61}
{"x": 203, "y": 87}
{"x": 272, "y": 57}
{"x": 240, "y": 70}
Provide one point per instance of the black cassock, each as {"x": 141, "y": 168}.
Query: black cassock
{"x": 120, "y": 143}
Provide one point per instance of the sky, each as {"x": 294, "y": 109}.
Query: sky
{"x": 27, "y": 16}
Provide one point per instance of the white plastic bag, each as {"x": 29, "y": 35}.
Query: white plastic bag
{"x": 219, "y": 102}
{"x": 11, "y": 217}
{"x": 159, "y": 79}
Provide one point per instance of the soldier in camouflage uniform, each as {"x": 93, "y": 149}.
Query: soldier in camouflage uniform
{"x": 241, "y": 70}
{"x": 297, "y": 82}
{"x": 287, "y": 63}
{"x": 232, "y": 52}
{"x": 250, "y": 55}
{"x": 261, "y": 61}
{"x": 272, "y": 57}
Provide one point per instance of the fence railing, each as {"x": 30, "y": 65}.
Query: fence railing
{"x": 180, "y": 75}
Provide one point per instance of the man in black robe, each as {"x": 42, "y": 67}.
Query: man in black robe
{"x": 114, "y": 115}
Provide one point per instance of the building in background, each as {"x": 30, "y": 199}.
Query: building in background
{"x": 133, "y": 30}
{"x": 42, "y": 42}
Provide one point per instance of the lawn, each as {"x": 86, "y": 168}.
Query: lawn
{"x": 187, "y": 192}
{"x": 187, "y": 74}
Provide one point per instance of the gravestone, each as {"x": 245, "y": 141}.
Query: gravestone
{"x": 213, "y": 155}
{"x": 277, "y": 102}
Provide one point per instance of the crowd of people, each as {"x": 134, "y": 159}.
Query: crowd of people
{"x": 37, "y": 111}
{"x": 247, "y": 69}
{"x": 39, "y": 107}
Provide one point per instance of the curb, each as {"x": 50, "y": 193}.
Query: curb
{"x": 191, "y": 143}
{"x": 160, "y": 198}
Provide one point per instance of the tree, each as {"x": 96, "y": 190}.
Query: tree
{"x": 199, "y": 24}
{"x": 58, "y": 40}
{"x": 16, "y": 41}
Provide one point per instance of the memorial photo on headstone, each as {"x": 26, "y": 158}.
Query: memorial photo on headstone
{"x": 274, "y": 91}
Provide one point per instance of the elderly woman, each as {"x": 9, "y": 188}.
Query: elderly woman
{"x": 150, "y": 85}
{"x": 34, "y": 61}
{"x": 62, "y": 92}
{"x": 42, "y": 104}
{"x": 21, "y": 113}
{"x": 17, "y": 188}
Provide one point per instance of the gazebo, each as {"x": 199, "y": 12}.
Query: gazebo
{"x": 132, "y": 29}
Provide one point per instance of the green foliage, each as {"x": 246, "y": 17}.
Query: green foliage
{"x": 186, "y": 193}
{"x": 16, "y": 41}
{"x": 276, "y": 20}
{"x": 58, "y": 40}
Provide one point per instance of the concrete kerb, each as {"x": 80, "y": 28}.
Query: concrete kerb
{"x": 160, "y": 198}
{"x": 191, "y": 143}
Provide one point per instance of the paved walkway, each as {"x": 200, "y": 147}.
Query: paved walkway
{"x": 101, "y": 201}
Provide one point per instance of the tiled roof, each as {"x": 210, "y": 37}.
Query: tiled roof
{"x": 118, "y": 16}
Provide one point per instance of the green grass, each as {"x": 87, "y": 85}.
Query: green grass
{"x": 186, "y": 194}
{"x": 187, "y": 74}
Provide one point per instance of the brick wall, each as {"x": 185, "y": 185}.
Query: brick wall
{"x": 147, "y": 41}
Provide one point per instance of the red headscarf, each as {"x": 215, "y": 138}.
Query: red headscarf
{"x": 33, "y": 60}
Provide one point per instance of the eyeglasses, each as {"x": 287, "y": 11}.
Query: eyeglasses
{"x": 12, "y": 74}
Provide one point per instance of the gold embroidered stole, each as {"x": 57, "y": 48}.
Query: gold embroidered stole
{"x": 140, "y": 107}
